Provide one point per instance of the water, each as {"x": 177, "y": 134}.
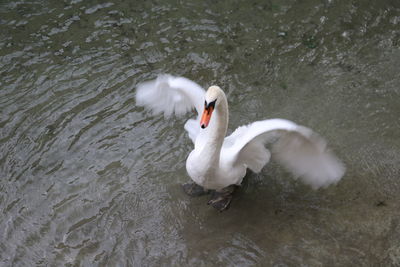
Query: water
{"x": 88, "y": 178}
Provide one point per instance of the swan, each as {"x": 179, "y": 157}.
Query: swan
{"x": 218, "y": 162}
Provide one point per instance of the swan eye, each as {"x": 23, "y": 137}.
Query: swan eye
{"x": 211, "y": 104}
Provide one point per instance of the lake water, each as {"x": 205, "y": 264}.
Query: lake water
{"x": 87, "y": 178}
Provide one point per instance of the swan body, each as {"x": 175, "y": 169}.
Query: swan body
{"x": 217, "y": 161}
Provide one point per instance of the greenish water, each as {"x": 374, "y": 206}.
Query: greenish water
{"x": 89, "y": 179}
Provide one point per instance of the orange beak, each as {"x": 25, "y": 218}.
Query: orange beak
{"x": 205, "y": 118}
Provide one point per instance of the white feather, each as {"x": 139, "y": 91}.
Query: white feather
{"x": 218, "y": 161}
{"x": 172, "y": 95}
{"x": 168, "y": 94}
{"x": 305, "y": 154}
{"x": 297, "y": 148}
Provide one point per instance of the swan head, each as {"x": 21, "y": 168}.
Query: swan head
{"x": 211, "y": 99}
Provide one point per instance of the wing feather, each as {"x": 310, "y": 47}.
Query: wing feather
{"x": 300, "y": 150}
{"x": 172, "y": 95}
{"x": 168, "y": 94}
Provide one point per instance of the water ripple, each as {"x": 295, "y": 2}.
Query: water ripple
{"x": 89, "y": 178}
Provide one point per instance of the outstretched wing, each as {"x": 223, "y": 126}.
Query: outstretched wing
{"x": 172, "y": 95}
{"x": 297, "y": 148}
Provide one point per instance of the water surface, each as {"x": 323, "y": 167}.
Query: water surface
{"x": 88, "y": 178}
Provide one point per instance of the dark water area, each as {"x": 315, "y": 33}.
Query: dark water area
{"x": 87, "y": 178}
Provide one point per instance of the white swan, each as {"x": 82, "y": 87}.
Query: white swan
{"x": 218, "y": 162}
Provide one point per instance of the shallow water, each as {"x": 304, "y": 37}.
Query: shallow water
{"x": 88, "y": 178}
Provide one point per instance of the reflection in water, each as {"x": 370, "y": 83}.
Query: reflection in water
{"x": 89, "y": 178}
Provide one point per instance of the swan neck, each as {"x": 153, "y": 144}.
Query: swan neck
{"x": 218, "y": 129}
{"x": 222, "y": 119}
